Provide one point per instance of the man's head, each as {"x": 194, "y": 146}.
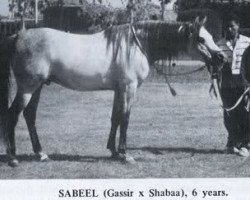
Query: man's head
{"x": 232, "y": 27}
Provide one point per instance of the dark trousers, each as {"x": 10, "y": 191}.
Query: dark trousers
{"x": 237, "y": 120}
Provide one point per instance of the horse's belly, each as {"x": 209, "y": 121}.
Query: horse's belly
{"x": 83, "y": 82}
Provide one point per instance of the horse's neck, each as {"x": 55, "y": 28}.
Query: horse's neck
{"x": 164, "y": 43}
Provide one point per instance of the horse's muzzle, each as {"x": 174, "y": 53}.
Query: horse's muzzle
{"x": 219, "y": 58}
{"x": 204, "y": 51}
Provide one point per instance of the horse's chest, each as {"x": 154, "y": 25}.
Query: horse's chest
{"x": 141, "y": 66}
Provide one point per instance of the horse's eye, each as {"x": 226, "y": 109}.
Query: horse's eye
{"x": 201, "y": 40}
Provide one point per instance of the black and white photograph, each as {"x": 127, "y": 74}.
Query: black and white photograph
{"x": 123, "y": 92}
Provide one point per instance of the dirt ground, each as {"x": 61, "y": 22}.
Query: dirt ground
{"x": 169, "y": 137}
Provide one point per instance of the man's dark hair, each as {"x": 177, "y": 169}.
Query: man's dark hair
{"x": 232, "y": 17}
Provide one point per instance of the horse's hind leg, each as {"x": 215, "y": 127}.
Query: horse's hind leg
{"x": 29, "y": 114}
{"x": 115, "y": 121}
{"x": 19, "y": 103}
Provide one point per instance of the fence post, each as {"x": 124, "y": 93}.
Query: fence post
{"x": 5, "y": 29}
{"x": 131, "y": 9}
{"x": 36, "y": 12}
{"x": 162, "y": 9}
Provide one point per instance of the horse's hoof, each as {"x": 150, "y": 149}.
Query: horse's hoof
{"x": 126, "y": 159}
{"x": 115, "y": 156}
{"x": 130, "y": 160}
{"x": 119, "y": 157}
{"x": 43, "y": 157}
{"x": 13, "y": 163}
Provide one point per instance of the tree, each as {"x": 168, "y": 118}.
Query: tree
{"x": 25, "y": 8}
{"x": 137, "y": 9}
{"x": 134, "y": 5}
{"x": 100, "y": 1}
{"x": 131, "y": 7}
{"x": 163, "y": 3}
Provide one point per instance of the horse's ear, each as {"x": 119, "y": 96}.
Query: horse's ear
{"x": 180, "y": 29}
{"x": 203, "y": 21}
{"x": 197, "y": 20}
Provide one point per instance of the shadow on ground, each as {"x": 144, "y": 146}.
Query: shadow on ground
{"x": 162, "y": 150}
{"x": 79, "y": 158}
{"x": 59, "y": 157}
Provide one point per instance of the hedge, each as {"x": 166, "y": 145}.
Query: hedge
{"x": 222, "y": 8}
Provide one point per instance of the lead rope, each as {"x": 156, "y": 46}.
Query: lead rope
{"x": 201, "y": 68}
{"x": 238, "y": 102}
{"x": 228, "y": 109}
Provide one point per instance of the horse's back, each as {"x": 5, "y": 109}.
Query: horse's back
{"x": 75, "y": 61}
{"x": 80, "y": 62}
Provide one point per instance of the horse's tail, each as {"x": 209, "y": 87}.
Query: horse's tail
{"x": 7, "y": 50}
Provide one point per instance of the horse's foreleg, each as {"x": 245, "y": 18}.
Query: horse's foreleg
{"x": 29, "y": 114}
{"x": 127, "y": 101}
{"x": 115, "y": 121}
{"x": 19, "y": 103}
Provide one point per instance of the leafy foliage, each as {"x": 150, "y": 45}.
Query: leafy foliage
{"x": 89, "y": 17}
{"x": 196, "y": 4}
{"x": 165, "y": 1}
{"x": 25, "y": 8}
{"x": 222, "y": 8}
{"x": 83, "y": 15}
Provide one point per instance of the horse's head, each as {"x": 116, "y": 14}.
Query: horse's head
{"x": 201, "y": 42}
{"x": 201, "y": 45}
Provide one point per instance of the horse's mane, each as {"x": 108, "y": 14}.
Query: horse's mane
{"x": 158, "y": 37}
{"x": 115, "y": 35}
